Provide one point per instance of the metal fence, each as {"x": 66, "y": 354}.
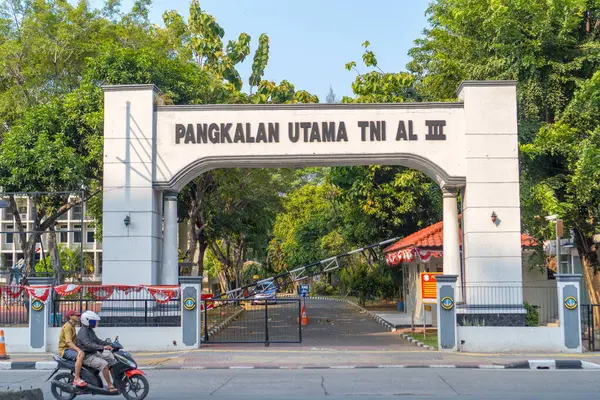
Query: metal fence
{"x": 512, "y": 305}
{"x": 590, "y": 326}
{"x": 250, "y": 320}
{"x": 119, "y": 309}
{"x": 14, "y": 311}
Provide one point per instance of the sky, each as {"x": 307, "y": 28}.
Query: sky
{"x": 312, "y": 40}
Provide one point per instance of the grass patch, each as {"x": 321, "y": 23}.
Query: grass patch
{"x": 431, "y": 338}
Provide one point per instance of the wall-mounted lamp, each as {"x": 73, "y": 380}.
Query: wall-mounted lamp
{"x": 127, "y": 220}
{"x": 494, "y": 217}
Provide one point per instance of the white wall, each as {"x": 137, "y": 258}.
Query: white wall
{"x": 17, "y": 340}
{"x": 154, "y": 339}
{"x": 510, "y": 339}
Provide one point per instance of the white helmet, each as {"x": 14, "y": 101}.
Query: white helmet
{"x": 88, "y": 316}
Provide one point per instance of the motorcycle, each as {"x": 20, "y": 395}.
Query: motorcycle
{"x": 129, "y": 381}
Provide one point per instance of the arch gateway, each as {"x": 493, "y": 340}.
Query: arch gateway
{"x": 469, "y": 148}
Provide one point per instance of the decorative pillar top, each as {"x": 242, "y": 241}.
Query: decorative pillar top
{"x": 446, "y": 278}
{"x": 170, "y": 196}
{"x": 40, "y": 280}
{"x": 450, "y": 191}
{"x": 568, "y": 277}
{"x": 190, "y": 280}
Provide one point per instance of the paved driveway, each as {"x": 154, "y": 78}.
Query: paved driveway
{"x": 332, "y": 325}
{"x": 336, "y": 324}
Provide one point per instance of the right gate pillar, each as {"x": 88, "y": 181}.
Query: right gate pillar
{"x": 491, "y": 214}
{"x": 569, "y": 313}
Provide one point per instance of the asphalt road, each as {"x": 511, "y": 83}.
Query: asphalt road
{"x": 355, "y": 384}
{"x": 332, "y": 324}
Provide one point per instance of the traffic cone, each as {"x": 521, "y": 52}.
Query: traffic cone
{"x": 304, "y": 317}
{"x": 3, "y": 355}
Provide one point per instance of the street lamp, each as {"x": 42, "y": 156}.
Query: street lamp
{"x": 559, "y": 231}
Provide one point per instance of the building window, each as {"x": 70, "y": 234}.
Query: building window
{"x": 22, "y": 207}
{"x": 63, "y": 234}
{"x": 77, "y": 212}
{"x": 77, "y": 234}
{"x": 10, "y": 236}
{"x": 90, "y": 237}
{"x": 8, "y": 259}
{"x": 100, "y": 264}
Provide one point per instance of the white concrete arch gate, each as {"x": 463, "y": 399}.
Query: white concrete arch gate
{"x": 152, "y": 151}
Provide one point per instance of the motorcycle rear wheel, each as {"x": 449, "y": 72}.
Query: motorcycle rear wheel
{"x": 136, "y": 388}
{"x": 57, "y": 392}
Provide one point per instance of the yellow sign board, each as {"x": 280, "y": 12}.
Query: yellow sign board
{"x": 429, "y": 286}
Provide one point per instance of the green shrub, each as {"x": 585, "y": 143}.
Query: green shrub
{"x": 532, "y": 318}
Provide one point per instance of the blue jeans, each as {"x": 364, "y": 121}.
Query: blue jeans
{"x": 70, "y": 354}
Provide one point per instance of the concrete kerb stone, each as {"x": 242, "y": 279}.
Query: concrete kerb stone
{"x": 28, "y": 394}
{"x": 416, "y": 342}
{"x": 530, "y": 365}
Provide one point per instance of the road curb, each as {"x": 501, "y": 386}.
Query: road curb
{"x": 416, "y": 342}
{"x": 531, "y": 365}
{"x": 552, "y": 364}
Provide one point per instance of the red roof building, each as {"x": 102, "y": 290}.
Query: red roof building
{"x": 427, "y": 243}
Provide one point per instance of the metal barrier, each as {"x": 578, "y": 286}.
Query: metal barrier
{"x": 134, "y": 309}
{"x": 250, "y": 320}
{"x": 590, "y": 326}
{"x": 14, "y": 306}
{"x": 510, "y": 305}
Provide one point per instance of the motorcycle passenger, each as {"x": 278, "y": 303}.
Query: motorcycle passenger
{"x": 95, "y": 357}
{"x": 67, "y": 348}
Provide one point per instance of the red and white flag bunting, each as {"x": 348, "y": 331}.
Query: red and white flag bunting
{"x": 65, "y": 290}
{"x": 12, "y": 291}
{"x": 163, "y": 294}
{"x": 41, "y": 293}
{"x": 100, "y": 292}
{"x": 410, "y": 254}
{"x": 129, "y": 289}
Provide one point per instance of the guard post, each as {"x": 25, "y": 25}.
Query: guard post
{"x": 569, "y": 311}
{"x": 191, "y": 321}
{"x": 39, "y": 315}
{"x": 447, "y": 333}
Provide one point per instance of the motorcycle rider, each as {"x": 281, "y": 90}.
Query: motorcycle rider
{"x": 95, "y": 357}
{"x": 67, "y": 348}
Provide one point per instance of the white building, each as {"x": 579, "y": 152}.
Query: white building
{"x": 72, "y": 230}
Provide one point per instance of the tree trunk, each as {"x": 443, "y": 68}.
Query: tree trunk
{"x": 590, "y": 263}
{"x": 203, "y": 245}
{"x": 55, "y": 255}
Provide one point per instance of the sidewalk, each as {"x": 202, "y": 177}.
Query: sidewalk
{"x": 222, "y": 357}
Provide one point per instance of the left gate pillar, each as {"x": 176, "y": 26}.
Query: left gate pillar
{"x": 446, "y": 310}
{"x": 132, "y": 214}
{"x": 39, "y": 317}
{"x": 191, "y": 315}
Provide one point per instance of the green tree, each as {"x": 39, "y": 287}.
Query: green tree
{"x": 568, "y": 183}
{"x": 331, "y": 97}
{"x": 551, "y": 48}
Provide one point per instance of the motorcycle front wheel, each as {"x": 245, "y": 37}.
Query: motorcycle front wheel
{"x": 57, "y": 392}
{"x": 135, "y": 388}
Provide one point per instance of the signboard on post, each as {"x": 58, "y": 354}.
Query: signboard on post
{"x": 428, "y": 287}
{"x": 304, "y": 290}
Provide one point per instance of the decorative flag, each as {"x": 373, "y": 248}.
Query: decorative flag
{"x": 100, "y": 292}
{"x": 13, "y": 291}
{"x": 163, "y": 294}
{"x": 41, "y": 293}
{"x": 129, "y": 289}
{"x": 68, "y": 289}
